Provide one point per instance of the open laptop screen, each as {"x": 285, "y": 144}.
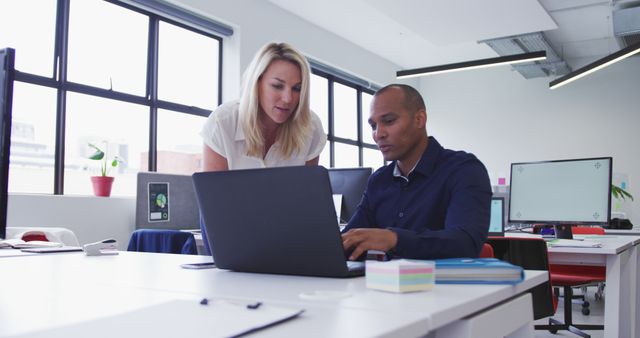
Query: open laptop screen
{"x": 496, "y": 226}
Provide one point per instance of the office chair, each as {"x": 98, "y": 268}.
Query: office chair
{"x": 487, "y": 251}
{"x": 530, "y": 254}
{"x": 163, "y": 241}
{"x": 569, "y": 276}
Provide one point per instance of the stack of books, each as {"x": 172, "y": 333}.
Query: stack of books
{"x": 477, "y": 271}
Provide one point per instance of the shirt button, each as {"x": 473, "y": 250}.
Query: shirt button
{"x": 401, "y": 214}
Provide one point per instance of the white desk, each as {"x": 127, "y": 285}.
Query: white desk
{"x": 619, "y": 232}
{"x": 44, "y": 291}
{"x": 619, "y": 254}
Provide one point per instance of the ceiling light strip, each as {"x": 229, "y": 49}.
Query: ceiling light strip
{"x": 483, "y": 63}
{"x": 594, "y": 66}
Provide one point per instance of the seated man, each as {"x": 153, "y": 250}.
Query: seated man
{"x": 429, "y": 202}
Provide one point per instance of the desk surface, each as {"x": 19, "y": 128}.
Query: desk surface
{"x": 59, "y": 289}
{"x": 620, "y": 255}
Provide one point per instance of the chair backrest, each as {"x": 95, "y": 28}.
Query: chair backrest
{"x": 530, "y": 254}
{"x": 163, "y": 241}
{"x": 487, "y": 251}
{"x": 587, "y": 230}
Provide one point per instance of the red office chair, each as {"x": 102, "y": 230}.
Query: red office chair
{"x": 570, "y": 276}
{"x": 487, "y": 251}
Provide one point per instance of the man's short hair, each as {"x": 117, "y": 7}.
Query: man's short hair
{"x": 412, "y": 99}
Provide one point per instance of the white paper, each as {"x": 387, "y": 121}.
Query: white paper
{"x": 572, "y": 243}
{"x": 337, "y": 204}
{"x": 178, "y": 318}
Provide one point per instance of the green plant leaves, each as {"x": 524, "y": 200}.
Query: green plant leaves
{"x": 620, "y": 193}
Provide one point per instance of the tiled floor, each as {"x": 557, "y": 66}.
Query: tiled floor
{"x": 595, "y": 317}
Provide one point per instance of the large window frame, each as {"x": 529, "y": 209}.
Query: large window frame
{"x": 59, "y": 82}
{"x": 332, "y": 139}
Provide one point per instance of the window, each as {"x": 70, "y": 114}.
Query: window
{"x": 131, "y": 80}
{"x": 31, "y": 33}
{"x": 188, "y": 67}
{"x": 107, "y": 47}
{"x": 33, "y": 136}
{"x": 343, "y": 107}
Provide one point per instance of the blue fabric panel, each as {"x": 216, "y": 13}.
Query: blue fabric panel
{"x": 163, "y": 241}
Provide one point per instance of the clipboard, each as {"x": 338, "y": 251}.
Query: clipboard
{"x": 181, "y": 318}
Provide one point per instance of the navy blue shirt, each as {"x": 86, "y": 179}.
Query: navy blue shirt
{"x": 442, "y": 211}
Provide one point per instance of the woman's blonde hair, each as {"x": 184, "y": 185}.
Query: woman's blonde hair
{"x": 295, "y": 130}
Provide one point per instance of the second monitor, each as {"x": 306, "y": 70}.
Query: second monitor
{"x": 350, "y": 183}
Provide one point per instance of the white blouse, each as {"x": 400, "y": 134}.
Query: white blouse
{"x": 224, "y": 135}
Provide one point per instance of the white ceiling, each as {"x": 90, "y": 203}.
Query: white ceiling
{"x": 422, "y": 33}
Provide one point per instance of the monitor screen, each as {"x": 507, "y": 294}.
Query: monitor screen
{"x": 496, "y": 225}
{"x": 561, "y": 192}
{"x": 7, "y": 57}
{"x": 350, "y": 183}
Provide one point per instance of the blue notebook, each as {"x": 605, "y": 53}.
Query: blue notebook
{"x": 477, "y": 271}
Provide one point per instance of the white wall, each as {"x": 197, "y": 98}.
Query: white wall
{"x": 90, "y": 218}
{"x": 502, "y": 118}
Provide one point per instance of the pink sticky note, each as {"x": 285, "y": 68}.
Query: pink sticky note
{"x": 502, "y": 181}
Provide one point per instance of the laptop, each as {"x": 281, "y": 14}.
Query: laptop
{"x": 274, "y": 220}
{"x": 496, "y": 225}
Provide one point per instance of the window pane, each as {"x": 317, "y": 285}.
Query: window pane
{"x": 345, "y": 112}
{"x": 179, "y": 142}
{"x": 346, "y": 156}
{"x": 366, "y": 128}
{"x": 32, "y": 139}
{"x": 319, "y": 99}
{"x": 124, "y": 126}
{"x": 31, "y": 32}
{"x": 188, "y": 67}
{"x": 372, "y": 158}
{"x": 107, "y": 46}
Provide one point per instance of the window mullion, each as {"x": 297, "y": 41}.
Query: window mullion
{"x": 61, "y": 51}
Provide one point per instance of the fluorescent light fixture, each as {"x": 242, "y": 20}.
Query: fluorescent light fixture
{"x": 592, "y": 67}
{"x": 483, "y": 63}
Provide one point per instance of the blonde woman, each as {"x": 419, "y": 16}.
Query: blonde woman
{"x": 271, "y": 124}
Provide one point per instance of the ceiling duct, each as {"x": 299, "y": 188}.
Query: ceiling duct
{"x": 626, "y": 26}
{"x": 525, "y": 43}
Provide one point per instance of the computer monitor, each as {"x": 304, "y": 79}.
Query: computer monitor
{"x": 350, "y": 183}
{"x": 496, "y": 225}
{"x": 7, "y": 59}
{"x": 561, "y": 193}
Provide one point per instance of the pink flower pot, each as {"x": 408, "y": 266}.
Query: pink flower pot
{"x": 102, "y": 185}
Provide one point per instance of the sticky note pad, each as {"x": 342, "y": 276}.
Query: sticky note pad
{"x": 400, "y": 275}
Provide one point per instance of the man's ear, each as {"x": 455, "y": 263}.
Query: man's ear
{"x": 420, "y": 117}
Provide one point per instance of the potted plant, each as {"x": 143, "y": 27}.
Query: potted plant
{"x": 620, "y": 193}
{"x": 102, "y": 184}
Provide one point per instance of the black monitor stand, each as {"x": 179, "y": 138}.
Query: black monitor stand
{"x": 563, "y": 231}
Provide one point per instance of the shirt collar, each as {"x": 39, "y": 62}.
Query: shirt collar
{"x": 427, "y": 162}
